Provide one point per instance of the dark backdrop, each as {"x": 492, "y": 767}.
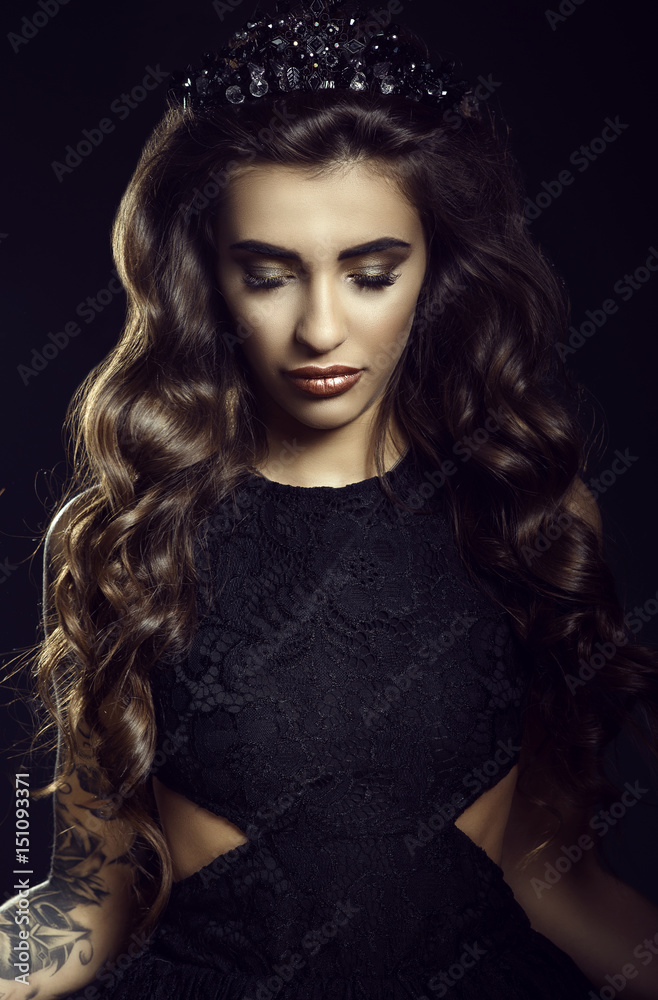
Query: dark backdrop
{"x": 560, "y": 79}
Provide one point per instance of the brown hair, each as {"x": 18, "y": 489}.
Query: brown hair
{"x": 167, "y": 425}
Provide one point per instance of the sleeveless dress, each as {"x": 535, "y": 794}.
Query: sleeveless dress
{"x": 348, "y": 696}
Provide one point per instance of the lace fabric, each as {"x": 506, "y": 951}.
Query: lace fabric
{"x": 350, "y": 693}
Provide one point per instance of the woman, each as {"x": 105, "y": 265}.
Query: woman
{"x": 315, "y": 636}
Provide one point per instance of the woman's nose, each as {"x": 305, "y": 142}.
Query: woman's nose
{"x": 321, "y": 323}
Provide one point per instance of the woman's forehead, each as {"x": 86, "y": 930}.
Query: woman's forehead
{"x": 356, "y": 194}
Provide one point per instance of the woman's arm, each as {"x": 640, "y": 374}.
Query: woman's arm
{"x": 608, "y": 928}
{"x": 81, "y": 915}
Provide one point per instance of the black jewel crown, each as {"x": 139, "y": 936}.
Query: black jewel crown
{"x": 317, "y": 45}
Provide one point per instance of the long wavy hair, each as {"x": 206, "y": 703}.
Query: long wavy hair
{"x": 167, "y": 425}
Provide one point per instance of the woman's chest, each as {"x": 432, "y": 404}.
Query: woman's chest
{"x": 362, "y": 654}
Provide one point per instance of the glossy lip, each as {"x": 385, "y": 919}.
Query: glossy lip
{"x": 313, "y": 371}
{"x": 332, "y": 385}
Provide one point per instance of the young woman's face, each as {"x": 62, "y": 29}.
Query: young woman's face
{"x": 319, "y": 271}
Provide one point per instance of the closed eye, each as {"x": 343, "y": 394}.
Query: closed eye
{"x": 363, "y": 280}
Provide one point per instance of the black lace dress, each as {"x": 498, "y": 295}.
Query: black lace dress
{"x": 349, "y": 695}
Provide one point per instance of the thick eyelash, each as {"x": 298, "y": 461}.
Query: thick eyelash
{"x": 363, "y": 280}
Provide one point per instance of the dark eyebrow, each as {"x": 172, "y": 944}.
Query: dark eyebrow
{"x": 267, "y": 250}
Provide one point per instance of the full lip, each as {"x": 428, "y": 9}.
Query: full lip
{"x": 313, "y": 371}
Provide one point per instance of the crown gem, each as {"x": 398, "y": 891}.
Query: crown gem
{"x": 293, "y": 76}
{"x": 234, "y": 95}
{"x": 258, "y": 87}
{"x": 358, "y": 82}
{"x": 261, "y": 60}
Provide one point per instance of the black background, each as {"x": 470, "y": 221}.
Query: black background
{"x": 556, "y": 86}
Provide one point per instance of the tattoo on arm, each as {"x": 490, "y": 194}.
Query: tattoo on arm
{"x": 75, "y": 880}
